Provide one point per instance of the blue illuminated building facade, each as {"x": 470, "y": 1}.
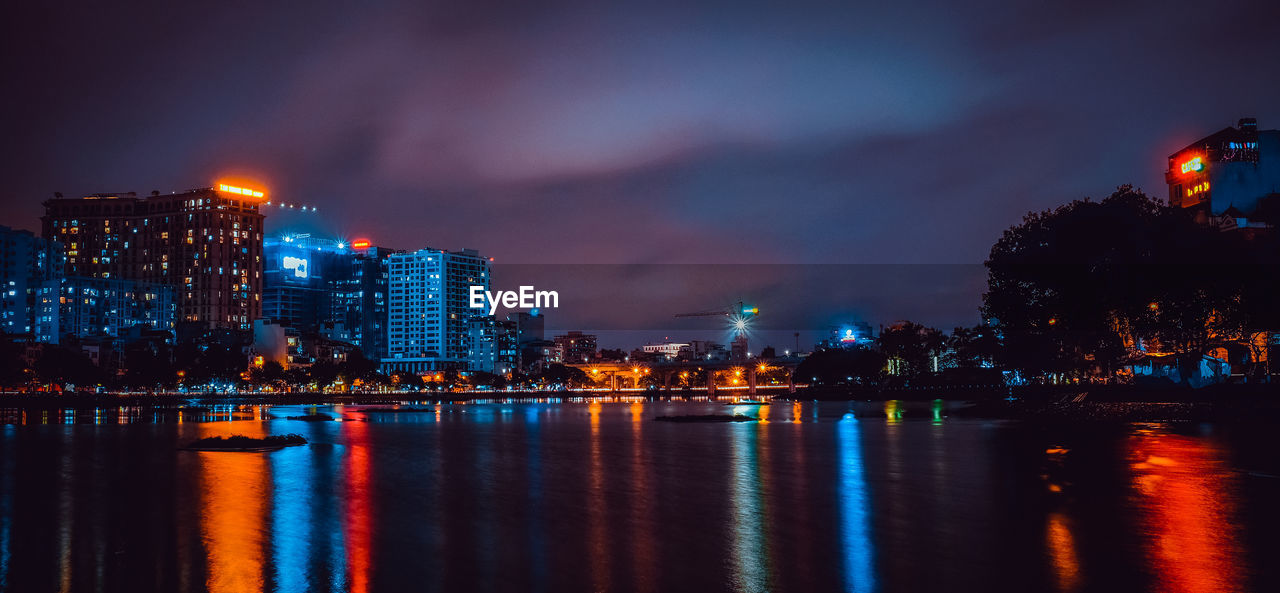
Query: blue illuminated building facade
{"x": 300, "y": 272}
{"x": 359, "y": 302}
{"x": 329, "y": 288}
{"x": 494, "y": 346}
{"x": 40, "y": 301}
{"x": 80, "y": 307}
{"x": 26, "y": 262}
{"x": 430, "y": 312}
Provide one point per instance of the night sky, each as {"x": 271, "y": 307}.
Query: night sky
{"x": 575, "y": 132}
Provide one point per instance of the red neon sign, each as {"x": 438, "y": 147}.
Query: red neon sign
{"x": 360, "y": 244}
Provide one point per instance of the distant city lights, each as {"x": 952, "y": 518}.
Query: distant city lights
{"x": 289, "y": 206}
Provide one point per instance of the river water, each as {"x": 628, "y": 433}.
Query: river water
{"x": 599, "y": 497}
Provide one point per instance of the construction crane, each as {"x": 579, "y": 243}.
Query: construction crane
{"x": 741, "y": 309}
{"x": 738, "y": 318}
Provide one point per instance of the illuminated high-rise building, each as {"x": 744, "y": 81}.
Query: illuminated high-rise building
{"x": 329, "y": 287}
{"x": 206, "y": 244}
{"x": 429, "y": 306}
{"x": 360, "y": 302}
{"x": 299, "y": 274}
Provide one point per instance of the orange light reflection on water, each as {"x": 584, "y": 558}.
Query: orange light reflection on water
{"x": 1062, "y": 551}
{"x": 644, "y": 546}
{"x": 1185, "y": 494}
{"x": 596, "y": 506}
{"x": 234, "y": 494}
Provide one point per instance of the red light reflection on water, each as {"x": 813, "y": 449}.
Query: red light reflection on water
{"x": 1185, "y": 494}
{"x": 358, "y": 516}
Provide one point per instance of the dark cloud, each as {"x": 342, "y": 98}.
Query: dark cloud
{"x": 673, "y": 132}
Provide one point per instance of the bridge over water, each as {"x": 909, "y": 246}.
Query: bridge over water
{"x": 710, "y": 374}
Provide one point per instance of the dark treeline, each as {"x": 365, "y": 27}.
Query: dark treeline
{"x": 1089, "y": 292}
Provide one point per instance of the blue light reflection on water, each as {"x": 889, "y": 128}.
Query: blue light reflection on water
{"x": 537, "y": 543}
{"x": 855, "y": 531}
{"x": 6, "y": 503}
{"x": 291, "y": 527}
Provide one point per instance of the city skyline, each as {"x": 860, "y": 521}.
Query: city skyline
{"x": 576, "y": 296}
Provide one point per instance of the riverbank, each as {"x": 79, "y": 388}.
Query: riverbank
{"x": 1046, "y": 393}
{"x": 1223, "y": 403}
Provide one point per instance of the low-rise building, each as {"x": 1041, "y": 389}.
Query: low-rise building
{"x": 574, "y": 347}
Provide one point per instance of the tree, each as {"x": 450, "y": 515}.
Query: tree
{"x": 299, "y": 377}
{"x": 482, "y": 378}
{"x": 13, "y": 369}
{"x": 842, "y": 366}
{"x": 452, "y": 378}
{"x": 973, "y": 347}
{"x": 63, "y": 366}
{"x": 406, "y": 380}
{"x": 149, "y": 365}
{"x": 271, "y": 373}
{"x": 205, "y": 364}
{"x": 568, "y": 377}
{"x": 358, "y": 366}
{"x": 375, "y": 379}
{"x": 1077, "y": 290}
{"x": 912, "y": 348}
{"x": 520, "y": 380}
{"x": 322, "y": 374}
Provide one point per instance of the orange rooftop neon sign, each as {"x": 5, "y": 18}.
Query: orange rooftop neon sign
{"x": 231, "y": 189}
